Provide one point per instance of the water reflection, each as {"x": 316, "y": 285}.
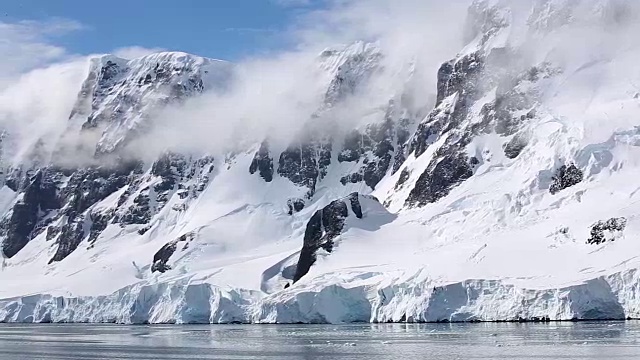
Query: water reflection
{"x": 583, "y": 340}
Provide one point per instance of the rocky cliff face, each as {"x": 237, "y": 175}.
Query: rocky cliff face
{"x": 323, "y": 227}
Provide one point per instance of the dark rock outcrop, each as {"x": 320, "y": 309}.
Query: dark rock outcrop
{"x": 59, "y": 184}
{"x": 452, "y": 167}
{"x": 450, "y": 164}
{"x": 566, "y": 176}
{"x": 515, "y": 146}
{"x": 353, "y": 178}
{"x": 99, "y": 222}
{"x": 298, "y": 163}
{"x": 305, "y": 163}
{"x": 374, "y": 148}
{"x": 162, "y": 256}
{"x": 263, "y": 162}
{"x": 323, "y": 227}
{"x": 604, "y": 231}
{"x": 402, "y": 138}
{"x": 295, "y": 205}
{"x": 38, "y": 197}
{"x": 71, "y": 235}
{"x": 402, "y": 179}
{"x": 459, "y": 82}
{"x": 352, "y": 147}
{"x": 138, "y": 213}
{"x": 171, "y": 168}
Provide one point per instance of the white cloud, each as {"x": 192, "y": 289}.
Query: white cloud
{"x": 26, "y": 45}
{"x": 274, "y": 94}
{"x": 292, "y": 3}
{"x": 133, "y": 52}
{"x": 249, "y": 30}
{"x": 37, "y": 105}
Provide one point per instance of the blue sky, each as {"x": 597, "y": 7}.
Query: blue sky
{"x": 225, "y": 29}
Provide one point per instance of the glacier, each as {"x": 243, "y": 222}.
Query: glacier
{"x": 508, "y": 195}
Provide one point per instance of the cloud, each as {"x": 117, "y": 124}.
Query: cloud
{"x": 292, "y": 3}
{"x": 36, "y": 107}
{"x": 133, "y": 52}
{"x": 276, "y": 94}
{"x": 27, "y": 45}
{"x": 39, "y": 81}
{"x": 249, "y": 30}
{"x": 264, "y": 98}
{"x": 272, "y": 95}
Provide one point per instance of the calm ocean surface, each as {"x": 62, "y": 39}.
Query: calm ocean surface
{"x": 598, "y": 340}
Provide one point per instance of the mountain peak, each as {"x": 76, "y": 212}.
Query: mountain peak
{"x": 119, "y": 94}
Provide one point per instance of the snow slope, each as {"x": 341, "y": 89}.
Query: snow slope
{"x": 495, "y": 205}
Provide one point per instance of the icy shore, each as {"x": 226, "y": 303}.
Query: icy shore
{"x": 361, "y": 299}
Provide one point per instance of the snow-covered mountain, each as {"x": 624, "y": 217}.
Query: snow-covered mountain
{"x": 508, "y": 196}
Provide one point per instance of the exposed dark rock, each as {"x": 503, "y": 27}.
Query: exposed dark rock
{"x": 109, "y": 71}
{"x": 351, "y": 178}
{"x": 162, "y": 256}
{"x": 171, "y": 168}
{"x": 99, "y": 222}
{"x": 71, "y": 235}
{"x": 454, "y": 77}
{"x": 116, "y": 92}
{"x": 295, "y": 205}
{"x": 402, "y": 138}
{"x": 377, "y": 166}
{"x": 263, "y": 162}
{"x": 323, "y": 227}
{"x": 566, "y": 176}
{"x": 515, "y": 146}
{"x": 352, "y": 147}
{"x": 604, "y": 231}
{"x": 144, "y": 230}
{"x": 324, "y": 149}
{"x": 355, "y": 205}
{"x": 39, "y": 195}
{"x": 515, "y": 100}
{"x": 52, "y": 232}
{"x": 298, "y": 163}
{"x": 138, "y": 213}
{"x": 375, "y": 148}
{"x": 460, "y": 83}
{"x": 89, "y": 185}
{"x": 460, "y": 77}
{"x": 85, "y": 188}
{"x": 451, "y": 168}
{"x": 503, "y": 111}
{"x": 404, "y": 176}
{"x": 450, "y": 165}
{"x": 55, "y": 196}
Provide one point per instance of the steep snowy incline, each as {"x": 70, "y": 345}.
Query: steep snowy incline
{"x": 512, "y": 198}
